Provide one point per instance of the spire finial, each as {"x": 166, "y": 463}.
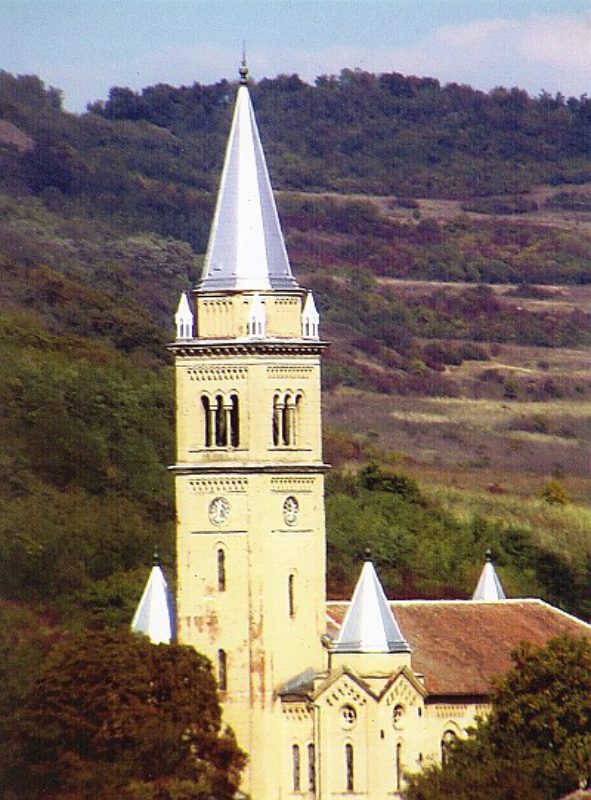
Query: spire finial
{"x": 155, "y": 558}
{"x": 367, "y": 554}
{"x": 489, "y": 555}
{"x": 243, "y": 67}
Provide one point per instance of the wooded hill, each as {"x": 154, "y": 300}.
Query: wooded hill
{"x": 437, "y": 307}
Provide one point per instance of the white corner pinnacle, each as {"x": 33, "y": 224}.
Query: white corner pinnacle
{"x": 246, "y": 249}
{"x": 183, "y": 318}
{"x": 257, "y": 317}
{"x": 310, "y": 318}
{"x": 489, "y": 587}
{"x": 369, "y": 625}
{"x": 153, "y": 614}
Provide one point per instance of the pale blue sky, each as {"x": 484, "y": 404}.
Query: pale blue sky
{"x": 86, "y": 46}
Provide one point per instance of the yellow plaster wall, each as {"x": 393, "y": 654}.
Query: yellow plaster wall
{"x": 223, "y": 316}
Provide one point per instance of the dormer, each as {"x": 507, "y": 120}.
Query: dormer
{"x": 184, "y": 319}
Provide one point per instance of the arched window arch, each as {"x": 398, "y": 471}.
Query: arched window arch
{"x": 276, "y": 423}
{"x": 296, "y": 767}
{"x": 221, "y": 565}
{"x": 222, "y": 671}
{"x": 234, "y": 421}
{"x": 221, "y": 420}
{"x": 221, "y": 428}
{"x": 448, "y": 740}
{"x": 349, "y": 768}
{"x": 208, "y": 421}
{"x": 286, "y": 422}
{"x": 291, "y": 595}
{"x": 311, "y": 768}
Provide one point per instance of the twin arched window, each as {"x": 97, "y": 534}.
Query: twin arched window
{"x": 297, "y": 768}
{"x": 221, "y": 420}
{"x": 286, "y": 422}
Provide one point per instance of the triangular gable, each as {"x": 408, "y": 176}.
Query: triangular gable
{"x": 341, "y": 685}
{"x": 403, "y": 687}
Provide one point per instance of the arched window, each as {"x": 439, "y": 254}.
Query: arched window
{"x": 221, "y": 570}
{"x": 447, "y": 742}
{"x": 276, "y": 426}
{"x": 295, "y": 758}
{"x": 222, "y": 671}
{"x": 349, "y": 768}
{"x": 291, "y": 595}
{"x": 297, "y": 420}
{"x": 311, "y": 768}
{"x": 208, "y": 420}
{"x": 234, "y": 422}
{"x": 398, "y": 767}
{"x": 221, "y": 428}
{"x": 285, "y": 420}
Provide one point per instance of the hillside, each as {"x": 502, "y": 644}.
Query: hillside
{"x": 460, "y": 327}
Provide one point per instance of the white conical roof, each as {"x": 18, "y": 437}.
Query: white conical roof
{"x": 246, "y": 248}
{"x": 489, "y": 586}
{"x": 153, "y": 614}
{"x": 369, "y": 625}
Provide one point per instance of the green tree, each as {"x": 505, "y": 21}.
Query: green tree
{"x": 536, "y": 742}
{"x": 112, "y": 715}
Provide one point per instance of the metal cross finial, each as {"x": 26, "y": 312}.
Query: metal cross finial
{"x": 243, "y": 67}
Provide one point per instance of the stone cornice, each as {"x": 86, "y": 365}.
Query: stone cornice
{"x": 245, "y": 347}
{"x": 249, "y": 469}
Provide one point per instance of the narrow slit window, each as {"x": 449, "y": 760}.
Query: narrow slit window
{"x": 350, "y": 768}
{"x": 291, "y": 595}
{"x": 311, "y": 768}
{"x": 295, "y": 756}
{"x": 221, "y": 570}
{"x": 222, "y": 671}
{"x": 398, "y": 766}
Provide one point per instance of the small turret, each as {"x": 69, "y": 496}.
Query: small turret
{"x": 184, "y": 319}
{"x": 489, "y": 587}
{"x": 310, "y": 318}
{"x": 153, "y": 616}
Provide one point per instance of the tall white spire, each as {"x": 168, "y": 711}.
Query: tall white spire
{"x": 369, "y": 625}
{"x": 246, "y": 250}
{"x": 489, "y": 586}
{"x": 153, "y": 614}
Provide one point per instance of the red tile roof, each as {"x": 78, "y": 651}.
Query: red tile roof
{"x": 460, "y": 645}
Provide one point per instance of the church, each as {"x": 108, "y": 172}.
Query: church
{"x": 329, "y": 699}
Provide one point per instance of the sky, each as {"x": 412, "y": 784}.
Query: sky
{"x": 84, "y": 47}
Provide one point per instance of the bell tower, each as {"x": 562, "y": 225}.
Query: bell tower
{"x": 249, "y": 473}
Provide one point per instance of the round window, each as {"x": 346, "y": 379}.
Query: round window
{"x": 398, "y": 715}
{"x": 349, "y": 715}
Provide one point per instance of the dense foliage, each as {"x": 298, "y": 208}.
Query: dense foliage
{"x": 112, "y": 716}
{"x": 421, "y": 550}
{"x": 536, "y": 743}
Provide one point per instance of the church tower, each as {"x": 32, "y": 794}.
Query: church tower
{"x": 249, "y": 473}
